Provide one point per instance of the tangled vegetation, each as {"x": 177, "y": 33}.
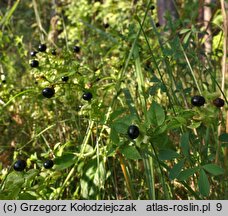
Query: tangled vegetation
{"x": 97, "y": 101}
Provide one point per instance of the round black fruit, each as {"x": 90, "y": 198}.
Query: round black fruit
{"x": 42, "y": 47}
{"x": 53, "y": 52}
{"x": 19, "y": 165}
{"x": 33, "y": 53}
{"x": 34, "y": 63}
{"x": 198, "y": 100}
{"x": 152, "y": 7}
{"x": 133, "y": 131}
{"x": 87, "y": 96}
{"x": 48, "y": 164}
{"x": 218, "y": 102}
{"x": 76, "y": 49}
{"x": 65, "y": 78}
{"x": 106, "y": 25}
{"x": 48, "y": 92}
{"x": 157, "y": 25}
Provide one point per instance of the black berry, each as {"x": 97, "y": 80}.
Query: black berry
{"x": 87, "y": 96}
{"x": 133, "y": 131}
{"x": 97, "y": 79}
{"x": 19, "y": 165}
{"x": 152, "y": 7}
{"x": 48, "y": 164}
{"x": 76, "y": 49}
{"x": 34, "y": 63}
{"x": 65, "y": 78}
{"x": 42, "y": 47}
{"x": 48, "y": 92}
{"x": 3, "y": 81}
{"x": 106, "y": 25}
{"x": 53, "y": 52}
{"x": 198, "y": 100}
{"x": 218, "y": 102}
{"x": 33, "y": 53}
{"x": 157, "y": 25}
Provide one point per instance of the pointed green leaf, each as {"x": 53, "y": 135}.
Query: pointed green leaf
{"x": 174, "y": 172}
{"x": 184, "y": 175}
{"x": 182, "y": 31}
{"x": 203, "y": 183}
{"x": 130, "y": 102}
{"x": 213, "y": 169}
{"x": 130, "y": 152}
{"x": 185, "y": 143}
{"x": 156, "y": 114}
{"x": 167, "y": 154}
{"x": 120, "y": 127}
{"x": 30, "y": 175}
{"x": 117, "y": 113}
{"x": 114, "y": 136}
{"x": 65, "y": 161}
{"x": 14, "y": 178}
{"x": 14, "y": 184}
{"x": 187, "y": 36}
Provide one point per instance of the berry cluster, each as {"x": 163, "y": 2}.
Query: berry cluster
{"x": 199, "y": 100}
{"x": 20, "y": 165}
{"x": 41, "y": 48}
{"x": 49, "y": 92}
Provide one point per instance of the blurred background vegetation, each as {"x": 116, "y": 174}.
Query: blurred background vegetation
{"x": 132, "y": 53}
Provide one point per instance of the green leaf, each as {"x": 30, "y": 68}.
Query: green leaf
{"x": 184, "y": 31}
{"x": 213, "y": 169}
{"x": 13, "y": 185}
{"x": 156, "y": 114}
{"x": 9, "y": 14}
{"x": 184, "y": 143}
{"x": 14, "y": 178}
{"x": 223, "y": 137}
{"x": 120, "y": 127}
{"x": 167, "y": 154}
{"x": 174, "y": 172}
{"x": 26, "y": 196}
{"x": 130, "y": 152}
{"x": 181, "y": 120}
{"x": 184, "y": 175}
{"x": 194, "y": 125}
{"x": 187, "y": 36}
{"x": 86, "y": 149}
{"x": 30, "y": 175}
{"x": 130, "y": 102}
{"x": 203, "y": 183}
{"x": 64, "y": 161}
{"x": 121, "y": 124}
{"x": 99, "y": 175}
{"x": 172, "y": 124}
{"x": 114, "y": 136}
{"x": 117, "y": 113}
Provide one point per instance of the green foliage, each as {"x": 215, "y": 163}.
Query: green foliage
{"x": 138, "y": 74}
{"x": 203, "y": 183}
